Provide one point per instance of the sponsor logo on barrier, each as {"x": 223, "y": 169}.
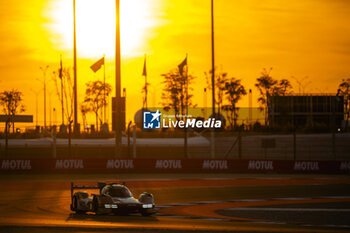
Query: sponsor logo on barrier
{"x": 120, "y": 163}
{"x": 215, "y": 164}
{"x": 69, "y": 164}
{"x": 260, "y": 165}
{"x": 344, "y": 166}
{"x": 306, "y": 166}
{"x": 16, "y": 165}
{"x": 168, "y": 164}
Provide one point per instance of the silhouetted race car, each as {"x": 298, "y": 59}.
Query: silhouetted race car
{"x": 113, "y": 198}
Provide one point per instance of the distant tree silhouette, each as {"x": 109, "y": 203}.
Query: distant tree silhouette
{"x": 94, "y": 98}
{"x": 220, "y": 82}
{"x": 265, "y": 84}
{"x": 175, "y": 93}
{"x": 234, "y": 91}
{"x": 344, "y": 90}
{"x": 282, "y": 88}
{"x": 268, "y": 86}
{"x": 84, "y": 109}
{"x": 65, "y": 93}
{"x": 11, "y": 102}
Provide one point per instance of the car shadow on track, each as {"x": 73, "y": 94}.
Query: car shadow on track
{"x": 113, "y": 218}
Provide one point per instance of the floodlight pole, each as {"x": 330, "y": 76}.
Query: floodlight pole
{"x": 212, "y": 78}
{"x": 250, "y": 111}
{"x": 205, "y": 103}
{"x": 186, "y": 110}
{"x": 36, "y": 105}
{"x": 212, "y": 58}
{"x": 75, "y": 72}
{"x": 62, "y": 101}
{"x": 118, "y": 135}
{"x": 44, "y": 82}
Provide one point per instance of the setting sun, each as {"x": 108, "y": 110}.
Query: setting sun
{"x": 96, "y": 26}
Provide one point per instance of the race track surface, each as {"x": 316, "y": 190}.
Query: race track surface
{"x": 185, "y": 203}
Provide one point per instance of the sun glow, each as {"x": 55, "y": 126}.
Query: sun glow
{"x": 95, "y": 24}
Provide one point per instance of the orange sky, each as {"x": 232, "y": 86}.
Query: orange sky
{"x": 297, "y": 38}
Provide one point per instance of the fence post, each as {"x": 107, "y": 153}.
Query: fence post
{"x": 239, "y": 144}
{"x": 6, "y": 137}
{"x": 333, "y": 129}
{"x": 54, "y": 141}
{"x": 129, "y": 139}
{"x": 294, "y": 144}
{"x": 70, "y": 139}
{"x": 134, "y": 141}
{"x": 212, "y": 143}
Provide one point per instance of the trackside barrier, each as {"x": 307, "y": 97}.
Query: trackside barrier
{"x": 173, "y": 165}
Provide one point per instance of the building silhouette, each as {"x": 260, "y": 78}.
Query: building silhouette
{"x": 306, "y": 110}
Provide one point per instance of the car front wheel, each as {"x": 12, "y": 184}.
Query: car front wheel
{"x": 145, "y": 213}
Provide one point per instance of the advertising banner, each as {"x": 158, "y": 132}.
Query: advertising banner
{"x": 173, "y": 165}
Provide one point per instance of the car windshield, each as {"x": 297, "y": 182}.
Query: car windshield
{"x": 84, "y": 195}
{"x": 119, "y": 192}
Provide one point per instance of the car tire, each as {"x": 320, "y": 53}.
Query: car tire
{"x": 74, "y": 203}
{"x": 95, "y": 207}
{"x": 75, "y": 206}
{"x": 145, "y": 214}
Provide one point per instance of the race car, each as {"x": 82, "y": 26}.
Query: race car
{"x": 113, "y": 198}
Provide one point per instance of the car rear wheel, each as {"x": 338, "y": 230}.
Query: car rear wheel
{"x": 75, "y": 206}
{"x": 95, "y": 207}
{"x": 74, "y": 203}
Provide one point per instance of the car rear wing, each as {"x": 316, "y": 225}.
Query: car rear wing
{"x": 99, "y": 186}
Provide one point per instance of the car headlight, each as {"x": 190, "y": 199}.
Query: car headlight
{"x": 147, "y": 206}
{"x": 109, "y": 206}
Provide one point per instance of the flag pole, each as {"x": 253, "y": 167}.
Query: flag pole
{"x": 104, "y": 88}
{"x": 118, "y": 135}
{"x": 186, "y": 110}
{"x": 212, "y": 58}
{"x": 146, "y": 88}
{"x": 212, "y": 78}
{"x": 75, "y": 72}
{"x": 186, "y": 86}
{"x": 62, "y": 102}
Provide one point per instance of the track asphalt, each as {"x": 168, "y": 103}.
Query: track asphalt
{"x": 185, "y": 202}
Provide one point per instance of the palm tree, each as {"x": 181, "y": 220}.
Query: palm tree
{"x": 234, "y": 92}
{"x": 344, "y": 90}
{"x": 220, "y": 82}
{"x": 95, "y": 98}
{"x": 84, "y": 109}
{"x": 176, "y": 90}
{"x": 12, "y": 104}
{"x": 265, "y": 84}
{"x": 282, "y": 88}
